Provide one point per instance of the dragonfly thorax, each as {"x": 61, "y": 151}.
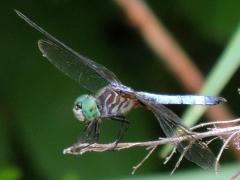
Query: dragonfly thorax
{"x": 85, "y": 108}
{"x": 114, "y": 103}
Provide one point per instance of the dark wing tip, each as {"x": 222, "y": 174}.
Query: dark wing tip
{"x": 21, "y": 15}
{"x": 214, "y": 100}
{"x": 18, "y": 12}
{"x": 220, "y": 100}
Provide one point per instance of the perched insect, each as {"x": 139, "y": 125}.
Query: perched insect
{"x": 113, "y": 100}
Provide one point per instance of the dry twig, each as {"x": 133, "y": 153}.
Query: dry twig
{"x": 79, "y": 149}
{"x": 170, "y": 155}
{"x": 224, "y": 147}
{"x": 135, "y": 168}
{"x": 216, "y": 132}
{"x": 215, "y": 123}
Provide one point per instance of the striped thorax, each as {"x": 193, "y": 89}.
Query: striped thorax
{"x": 112, "y": 103}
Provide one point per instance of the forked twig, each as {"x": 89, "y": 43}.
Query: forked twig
{"x": 181, "y": 158}
{"x": 211, "y": 140}
{"x": 218, "y": 132}
{"x": 170, "y": 155}
{"x": 144, "y": 159}
{"x": 223, "y": 147}
{"x": 79, "y": 149}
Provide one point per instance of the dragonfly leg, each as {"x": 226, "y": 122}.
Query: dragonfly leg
{"x": 97, "y": 131}
{"x": 124, "y": 126}
{"x": 117, "y": 118}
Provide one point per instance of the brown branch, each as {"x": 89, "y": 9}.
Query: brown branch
{"x": 80, "y": 149}
{"x": 227, "y": 133}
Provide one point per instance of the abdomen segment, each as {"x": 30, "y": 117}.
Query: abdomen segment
{"x": 182, "y": 99}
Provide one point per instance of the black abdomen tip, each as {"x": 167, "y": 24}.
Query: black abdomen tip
{"x": 221, "y": 100}
{"x": 214, "y": 100}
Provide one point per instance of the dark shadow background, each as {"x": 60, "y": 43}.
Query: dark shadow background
{"x": 36, "y": 120}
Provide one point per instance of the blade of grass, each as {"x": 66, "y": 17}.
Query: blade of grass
{"x": 222, "y": 72}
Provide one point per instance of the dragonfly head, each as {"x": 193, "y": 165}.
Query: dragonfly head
{"x": 85, "y": 108}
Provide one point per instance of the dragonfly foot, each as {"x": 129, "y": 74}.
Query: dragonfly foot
{"x": 115, "y": 143}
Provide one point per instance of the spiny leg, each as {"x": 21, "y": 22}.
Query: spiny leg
{"x": 124, "y": 126}
{"x": 97, "y": 131}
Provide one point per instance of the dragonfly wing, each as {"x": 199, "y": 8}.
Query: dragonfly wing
{"x": 91, "y": 133}
{"x": 88, "y": 73}
{"x": 170, "y": 123}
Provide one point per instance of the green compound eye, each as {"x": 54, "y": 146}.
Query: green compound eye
{"x": 78, "y": 107}
{"x": 87, "y": 105}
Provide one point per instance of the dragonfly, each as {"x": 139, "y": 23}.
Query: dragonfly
{"x": 112, "y": 100}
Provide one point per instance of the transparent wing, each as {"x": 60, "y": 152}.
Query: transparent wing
{"x": 198, "y": 152}
{"x": 88, "y": 73}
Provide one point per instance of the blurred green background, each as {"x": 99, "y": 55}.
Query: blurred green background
{"x": 36, "y": 120}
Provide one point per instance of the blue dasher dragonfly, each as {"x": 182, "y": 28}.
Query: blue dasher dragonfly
{"x": 113, "y": 100}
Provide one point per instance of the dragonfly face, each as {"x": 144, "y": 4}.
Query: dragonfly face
{"x": 85, "y": 108}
